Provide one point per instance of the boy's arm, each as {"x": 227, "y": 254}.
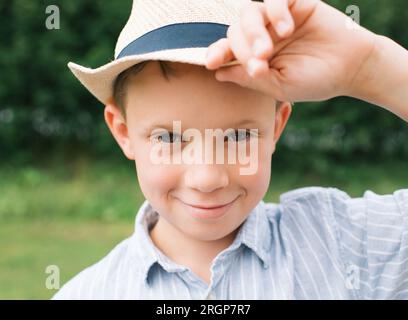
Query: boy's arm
{"x": 318, "y": 54}
{"x": 383, "y": 80}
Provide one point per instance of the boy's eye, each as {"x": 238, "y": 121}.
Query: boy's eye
{"x": 169, "y": 137}
{"x": 239, "y": 135}
{"x": 233, "y": 135}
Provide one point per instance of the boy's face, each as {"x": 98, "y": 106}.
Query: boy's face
{"x": 196, "y": 99}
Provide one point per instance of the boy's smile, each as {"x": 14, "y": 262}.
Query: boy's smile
{"x": 209, "y": 211}
{"x": 195, "y": 98}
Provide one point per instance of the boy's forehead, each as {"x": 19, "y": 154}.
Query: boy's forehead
{"x": 197, "y": 99}
{"x": 192, "y": 81}
{"x": 171, "y": 119}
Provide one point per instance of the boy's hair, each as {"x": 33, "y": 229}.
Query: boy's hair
{"x": 123, "y": 79}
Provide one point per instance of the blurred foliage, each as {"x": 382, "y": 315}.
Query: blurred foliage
{"x": 45, "y": 112}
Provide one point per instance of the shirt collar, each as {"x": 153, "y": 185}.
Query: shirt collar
{"x": 253, "y": 233}
{"x": 145, "y": 252}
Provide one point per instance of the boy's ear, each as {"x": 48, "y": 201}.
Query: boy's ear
{"x": 282, "y": 115}
{"x": 118, "y": 127}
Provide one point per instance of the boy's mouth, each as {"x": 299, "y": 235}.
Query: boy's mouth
{"x": 209, "y": 211}
{"x": 210, "y": 206}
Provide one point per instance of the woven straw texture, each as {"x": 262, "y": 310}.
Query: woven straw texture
{"x": 146, "y": 16}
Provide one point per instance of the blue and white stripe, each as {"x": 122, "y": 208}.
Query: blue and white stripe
{"x": 317, "y": 243}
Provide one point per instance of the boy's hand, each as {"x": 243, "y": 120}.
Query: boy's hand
{"x": 294, "y": 50}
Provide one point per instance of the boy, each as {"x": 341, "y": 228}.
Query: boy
{"x": 204, "y": 231}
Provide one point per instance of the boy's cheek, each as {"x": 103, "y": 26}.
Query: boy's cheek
{"x": 160, "y": 178}
{"x": 257, "y": 182}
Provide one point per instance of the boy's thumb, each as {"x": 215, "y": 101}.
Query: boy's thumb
{"x": 268, "y": 83}
{"x": 236, "y": 74}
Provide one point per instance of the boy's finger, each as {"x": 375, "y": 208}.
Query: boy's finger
{"x": 280, "y": 16}
{"x": 238, "y": 43}
{"x": 268, "y": 83}
{"x": 243, "y": 52}
{"x": 235, "y": 74}
{"x": 253, "y": 23}
{"x": 219, "y": 53}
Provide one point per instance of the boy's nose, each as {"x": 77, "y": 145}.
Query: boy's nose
{"x": 206, "y": 177}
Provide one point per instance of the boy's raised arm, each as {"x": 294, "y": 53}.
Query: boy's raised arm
{"x": 306, "y": 50}
{"x": 383, "y": 80}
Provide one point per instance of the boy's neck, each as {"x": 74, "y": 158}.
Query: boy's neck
{"x": 195, "y": 254}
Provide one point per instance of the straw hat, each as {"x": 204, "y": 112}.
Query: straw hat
{"x": 169, "y": 30}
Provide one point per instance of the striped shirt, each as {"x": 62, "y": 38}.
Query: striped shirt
{"x": 317, "y": 243}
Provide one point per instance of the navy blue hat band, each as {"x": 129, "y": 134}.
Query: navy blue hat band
{"x": 176, "y": 36}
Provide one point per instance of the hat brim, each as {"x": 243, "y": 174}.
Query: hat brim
{"x": 100, "y": 81}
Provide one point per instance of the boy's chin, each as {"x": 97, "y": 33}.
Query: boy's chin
{"x": 208, "y": 233}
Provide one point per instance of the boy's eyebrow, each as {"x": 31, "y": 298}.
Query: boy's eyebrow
{"x": 169, "y": 127}
{"x": 245, "y": 122}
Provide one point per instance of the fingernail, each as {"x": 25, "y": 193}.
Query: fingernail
{"x": 282, "y": 28}
{"x": 259, "y": 48}
{"x": 253, "y": 66}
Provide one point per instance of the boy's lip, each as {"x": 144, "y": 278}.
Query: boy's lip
{"x": 212, "y": 206}
{"x": 209, "y": 212}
